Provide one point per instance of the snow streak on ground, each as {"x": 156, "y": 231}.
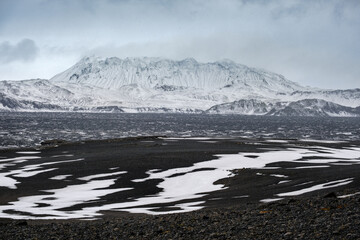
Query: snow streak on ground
{"x": 186, "y": 184}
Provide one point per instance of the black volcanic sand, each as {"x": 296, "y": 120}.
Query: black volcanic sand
{"x": 227, "y": 215}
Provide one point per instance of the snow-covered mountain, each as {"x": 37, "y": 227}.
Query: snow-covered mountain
{"x": 155, "y": 73}
{"x": 162, "y": 85}
{"x": 349, "y": 97}
{"x": 305, "y": 107}
{"x": 315, "y": 107}
{"x": 243, "y": 107}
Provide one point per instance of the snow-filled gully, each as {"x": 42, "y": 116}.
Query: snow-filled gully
{"x": 187, "y": 184}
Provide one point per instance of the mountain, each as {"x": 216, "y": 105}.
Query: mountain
{"x": 305, "y": 107}
{"x": 315, "y": 107}
{"x": 162, "y": 85}
{"x": 349, "y": 97}
{"x": 168, "y": 75}
{"x": 243, "y": 107}
{"x": 8, "y": 103}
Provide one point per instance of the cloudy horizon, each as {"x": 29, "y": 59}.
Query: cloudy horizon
{"x": 314, "y": 43}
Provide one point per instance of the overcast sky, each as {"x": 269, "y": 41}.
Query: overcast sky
{"x": 314, "y": 42}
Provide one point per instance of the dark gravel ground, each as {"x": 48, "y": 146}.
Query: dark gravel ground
{"x": 319, "y": 217}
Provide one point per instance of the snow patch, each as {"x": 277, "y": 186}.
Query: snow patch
{"x": 91, "y": 177}
{"x": 61, "y": 177}
{"x": 60, "y": 198}
{"x": 317, "y": 187}
{"x": 267, "y": 200}
{"x": 29, "y": 152}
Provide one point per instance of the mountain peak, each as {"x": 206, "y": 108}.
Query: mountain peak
{"x": 90, "y": 58}
{"x": 189, "y": 60}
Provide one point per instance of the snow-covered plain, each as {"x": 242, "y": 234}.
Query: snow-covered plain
{"x": 176, "y": 184}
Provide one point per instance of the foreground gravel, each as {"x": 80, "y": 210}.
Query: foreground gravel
{"x": 320, "y": 217}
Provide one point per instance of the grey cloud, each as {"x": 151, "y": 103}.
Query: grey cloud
{"x": 25, "y": 50}
{"x": 306, "y": 40}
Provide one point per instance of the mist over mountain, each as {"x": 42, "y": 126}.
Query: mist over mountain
{"x": 163, "y": 85}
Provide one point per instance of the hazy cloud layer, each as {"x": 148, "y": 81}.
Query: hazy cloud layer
{"x": 25, "y": 50}
{"x": 313, "y": 42}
